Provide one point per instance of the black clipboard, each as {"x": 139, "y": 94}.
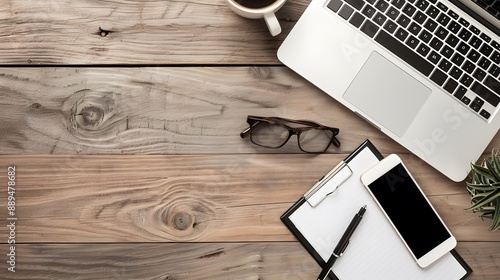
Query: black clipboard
{"x": 285, "y": 218}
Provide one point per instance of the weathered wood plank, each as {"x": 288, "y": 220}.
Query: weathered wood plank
{"x": 137, "y": 32}
{"x": 195, "y": 198}
{"x": 276, "y": 260}
{"x": 162, "y": 110}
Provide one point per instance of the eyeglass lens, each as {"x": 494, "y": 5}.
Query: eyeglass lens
{"x": 314, "y": 140}
{"x": 269, "y": 135}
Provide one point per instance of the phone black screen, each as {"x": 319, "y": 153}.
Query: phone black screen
{"x": 409, "y": 211}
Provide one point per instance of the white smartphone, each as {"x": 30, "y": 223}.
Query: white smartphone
{"x": 408, "y": 210}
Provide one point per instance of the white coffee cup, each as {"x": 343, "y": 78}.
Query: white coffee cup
{"x": 256, "y": 9}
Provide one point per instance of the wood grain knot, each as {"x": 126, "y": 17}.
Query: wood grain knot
{"x": 91, "y": 115}
{"x": 36, "y": 106}
{"x": 103, "y": 32}
{"x": 262, "y": 72}
{"x": 182, "y": 221}
{"x": 91, "y": 112}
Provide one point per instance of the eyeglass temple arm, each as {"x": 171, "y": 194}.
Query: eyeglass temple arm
{"x": 245, "y": 132}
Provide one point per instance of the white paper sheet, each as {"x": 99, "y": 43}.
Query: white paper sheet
{"x": 375, "y": 250}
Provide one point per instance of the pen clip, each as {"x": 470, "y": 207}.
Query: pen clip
{"x": 328, "y": 184}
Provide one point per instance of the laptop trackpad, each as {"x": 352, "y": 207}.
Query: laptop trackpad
{"x": 387, "y": 94}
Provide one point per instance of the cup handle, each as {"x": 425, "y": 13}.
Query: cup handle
{"x": 272, "y": 24}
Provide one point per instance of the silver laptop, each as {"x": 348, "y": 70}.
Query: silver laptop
{"x": 425, "y": 72}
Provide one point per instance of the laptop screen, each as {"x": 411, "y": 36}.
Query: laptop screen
{"x": 485, "y": 11}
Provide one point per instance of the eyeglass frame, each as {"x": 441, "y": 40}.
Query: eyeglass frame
{"x": 253, "y": 121}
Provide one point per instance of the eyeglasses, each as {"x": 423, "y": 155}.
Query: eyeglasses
{"x": 274, "y": 132}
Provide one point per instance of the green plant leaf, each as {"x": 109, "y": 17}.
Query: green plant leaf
{"x": 491, "y": 169}
{"x": 478, "y": 179}
{"x": 485, "y": 200}
{"x": 483, "y": 172}
{"x": 484, "y": 187}
{"x": 496, "y": 162}
{"x": 495, "y": 223}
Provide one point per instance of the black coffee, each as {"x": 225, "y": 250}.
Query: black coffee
{"x": 255, "y": 4}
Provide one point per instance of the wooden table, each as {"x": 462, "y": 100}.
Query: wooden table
{"x": 122, "y": 119}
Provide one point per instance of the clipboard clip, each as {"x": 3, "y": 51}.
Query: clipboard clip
{"x": 328, "y": 184}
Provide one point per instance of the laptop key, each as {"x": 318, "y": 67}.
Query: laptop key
{"x": 473, "y": 56}
{"x": 494, "y": 70}
{"x": 468, "y": 66}
{"x": 403, "y": 21}
{"x": 439, "y": 77}
{"x": 484, "y": 63}
{"x": 465, "y": 34}
{"x": 423, "y": 49}
{"x": 403, "y": 52}
{"x": 436, "y": 44}
{"x": 475, "y": 42}
{"x": 466, "y": 80}
{"x": 345, "y": 12}
{"x": 458, "y": 59}
{"x": 493, "y": 84}
{"x": 452, "y": 40}
{"x": 495, "y": 57}
{"x": 443, "y": 19}
{"x": 335, "y": 5}
{"x": 463, "y": 48}
{"x": 478, "y": 101}
{"x": 412, "y": 42}
{"x": 382, "y": 5}
{"x": 485, "y": 37}
{"x": 369, "y": 28}
{"x": 465, "y": 100}
{"x": 379, "y": 19}
{"x": 390, "y": 26}
{"x": 393, "y": 13}
{"x": 474, "y": 30}
{"x": 409, "y": 10}
{"x": 422, "y": 4}
{"x": 433, "y": 12}
{"x": 419, "y": 17}
{"x": 456, "y": 72}
{"x": 357, "y": 4}
{"x": 414, "y": 28}
{"x": 445, "y": 65}
{"x": 401, "y": 34}
{"x": 450, "y": 85}
{"x": 475, "y": 106}
{"x": 453, "y": 14}
{"x": 464, "y": 22}
{"x": 454, "y": 27}
{"x": 434, "y": 57}
{"x": 369, "y": 11}
{"x": 442, "y": 7}
{"x": 479, "y": 74}
{"x": 485, "y": 93}
{"x": 357, "y": 19}
{"x": 425, "y": 36}
{"x": 460, "y": 93}
{"x": 486, "y": 50}
{"x": 430, "y": 25}
{"x": 496, "y": 45}
{"x": 447, "y": 51}
{"x": 398, "y": 3}
{"x": 441, "y": 33}
{"x": 485, "y": 114}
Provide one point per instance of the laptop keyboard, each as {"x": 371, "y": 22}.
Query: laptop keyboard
{"x": 492, "y": 6}
{"x": 435, "y": 41}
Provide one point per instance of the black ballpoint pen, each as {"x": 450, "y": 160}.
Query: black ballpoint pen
{"x": 344, "y": 241}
